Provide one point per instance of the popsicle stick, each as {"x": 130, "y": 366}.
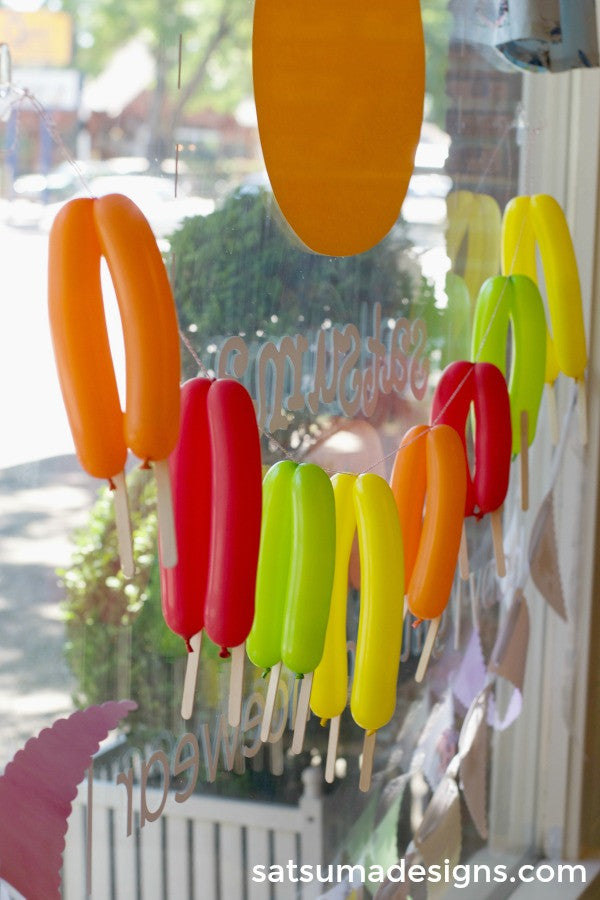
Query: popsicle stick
{"x": 191, "y": 677}
{"x": 582, "y": 410}
{"x": 301, "y": 713}
{"x": 496, "y": 523}
{"x": 332, "y": 743}
{"x": 524, "y": 459}
{"x": 166, "y": 522}
{"x": 552, "y": 413}
{"x": 463, "y": 555}
{"x": 432, "y": 631}
{"x": 89, "y": 836}
{"x": 474, "y": 601}
{"x": 236, "y": 685}
{"x": 368, "y": 754}
{"x": 265, "y": 728}
{"x": 123, "y": 525}
{"x": 458, "y": 613}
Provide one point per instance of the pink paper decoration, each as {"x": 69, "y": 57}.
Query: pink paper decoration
{"x": 36, "y": 793}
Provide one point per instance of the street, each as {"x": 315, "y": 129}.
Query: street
{"x": 44, "y": 495}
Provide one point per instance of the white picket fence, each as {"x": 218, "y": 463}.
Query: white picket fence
{"x": 202, "y": 849}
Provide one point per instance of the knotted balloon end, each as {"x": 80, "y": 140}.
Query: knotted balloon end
{"x": 323, "y": 722}
{"x": 111, "y": 485}
{"x": 299, "y": 677}
{"x": 188, "y": 644}
{"x": 266, "y": 672}
{"x": 145, "y": 464}
{"x": 224, "y": 653}
{"x": 416, "y": 623}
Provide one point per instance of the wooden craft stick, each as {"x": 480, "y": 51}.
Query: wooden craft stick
{"x": 332, "y": 743}
{"x": 552, "y": 413}
{"x": 474, "y": 602}
{"x": 301, "y": 713}
{"x": 368, "y": 754}
{"x": 457, "y": 613}
{"x": 191, "y": 677}
{"x": 463, "y": 555}
{"x": 89, "y": 836}
{"x": 123, "y": 525}
{"x": 496, "y": 523}
{"x": 582, "y": 410}
{"x": 265, "y": 728}
{"x": 236, "y": 685}
{"x": 166, "y": 522}
{"x": 524, "y": 459}
{"x": 432, "y": 631}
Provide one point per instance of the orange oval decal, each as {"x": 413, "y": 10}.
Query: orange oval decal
{"x": 339, "y": 91}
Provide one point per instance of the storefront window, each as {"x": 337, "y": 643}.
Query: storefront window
{"x": 341, "y": 357}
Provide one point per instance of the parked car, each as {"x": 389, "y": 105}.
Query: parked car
{"x": 154, "y": 195}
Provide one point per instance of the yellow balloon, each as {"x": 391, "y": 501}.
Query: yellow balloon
{"x": 329, "y": 693}
{"x": 373, "y": 697}
{"x": 473, "y": 238}
{"x": 540, "y": 220}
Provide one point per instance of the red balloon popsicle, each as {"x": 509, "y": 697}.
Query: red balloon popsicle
{"x": 483, "y": 385}
{"x": 217, "y": 485}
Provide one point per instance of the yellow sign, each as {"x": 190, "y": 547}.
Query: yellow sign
{"x": 40, "y": 38}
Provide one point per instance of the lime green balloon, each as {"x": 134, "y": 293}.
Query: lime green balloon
{"x": 263, "y": 645}
{"x": 516, "y": 300}
{"x": 311, "y": 570}
{"x": 329, "y": 693}
{"x": 380, "y": 622}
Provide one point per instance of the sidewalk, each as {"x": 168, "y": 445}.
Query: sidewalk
{"x": 40, "y": 504}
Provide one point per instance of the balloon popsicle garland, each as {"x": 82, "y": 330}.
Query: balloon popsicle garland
{"x": 515, "y": 299}
{"x": 539, "y": 221}
{"x": 482, "y": 385}
{"x": 84, "y": 231}
{"x": 216, "y": 472}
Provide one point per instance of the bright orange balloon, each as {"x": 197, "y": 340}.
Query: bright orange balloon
{"x": 83, "y": 231}
{"x": 408, "y": 483}
{"x": 432, "y": 576}
{"x": 339, "y": 91}
{"x": 80, "y": 340}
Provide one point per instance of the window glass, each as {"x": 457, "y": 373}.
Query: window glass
{"x": 341, "y": 357}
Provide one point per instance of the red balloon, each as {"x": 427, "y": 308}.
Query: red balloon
{"x": 183, "y": 587}
{"x": 236, "y": 505}
{"x": 482, "y": 384}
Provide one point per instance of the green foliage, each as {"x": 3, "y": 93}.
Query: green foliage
{"x": 117, "y": 642}
{"x": 240, "y": 267}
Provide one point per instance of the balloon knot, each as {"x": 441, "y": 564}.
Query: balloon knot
{"x": 145, "y": 464}
{"x": 111, "y": 485}
{"x": 416, "y": 623}
{"x": 299, "y": 677}
{"x": 323, "y": 722}
{"x": 266, "y": 672}
{"x": 224, "y": 653}
{"x": 188, "y": 644}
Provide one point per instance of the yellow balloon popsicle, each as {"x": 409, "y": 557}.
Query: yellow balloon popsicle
{"x": 330, "y": 681}
{"x": 378, "y": 646}
{"x": 473, "y": 238}
{"x": 540, "y": 220}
